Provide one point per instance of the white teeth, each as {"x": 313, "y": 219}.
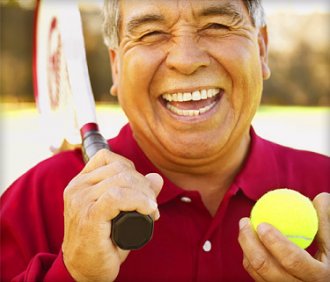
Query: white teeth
{"x": 191, "y": 96}
{"x": 186, "y": 96}
{"x": 212, "y": 92}
{"x": 194, "y": 96}
{"x": 189, "y": 112}
{"x": 204, "y": 94}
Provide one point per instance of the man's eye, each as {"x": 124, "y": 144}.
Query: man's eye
{"x": 152, "y": 35}
{"x": 216, "y": 26}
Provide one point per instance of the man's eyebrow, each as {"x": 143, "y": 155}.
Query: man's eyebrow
{"x": 214, "y": 10}
{"x": 221, "y": 10}
{"x": 140, "y": 20}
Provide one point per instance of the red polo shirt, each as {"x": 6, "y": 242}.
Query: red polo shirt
{"x": 188, "y": 243}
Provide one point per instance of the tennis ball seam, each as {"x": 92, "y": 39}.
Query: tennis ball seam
{"x": 298, "y": 237}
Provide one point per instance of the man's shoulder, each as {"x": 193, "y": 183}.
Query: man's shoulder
{"x": 62, "y": 166}
{"x": 271, "y": 165}
{"x": 297, "y": 157}
{"x": 300, "y": 168}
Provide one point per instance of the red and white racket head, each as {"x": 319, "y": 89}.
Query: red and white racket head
{"x": 52, "y": 87}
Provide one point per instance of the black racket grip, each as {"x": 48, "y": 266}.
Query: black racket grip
{"x": 129, "y": 230}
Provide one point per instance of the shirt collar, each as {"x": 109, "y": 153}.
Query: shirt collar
{"x": 251, "y": 179}
{"x": 258, "y": 174}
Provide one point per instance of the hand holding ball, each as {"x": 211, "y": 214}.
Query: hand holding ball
{"x": 290, "y": 212}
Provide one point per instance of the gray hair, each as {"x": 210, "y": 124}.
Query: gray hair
{"x": 256, "y": 12}
{"x": 111, "y": 19}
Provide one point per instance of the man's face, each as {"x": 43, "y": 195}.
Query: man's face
{"x": 188, "y": 74}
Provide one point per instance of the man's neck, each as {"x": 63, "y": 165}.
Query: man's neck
{"x": 213, "y": 180}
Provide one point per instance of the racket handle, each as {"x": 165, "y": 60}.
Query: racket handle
{"x": 129, "y": 230}
{"x": 92, "y": 142}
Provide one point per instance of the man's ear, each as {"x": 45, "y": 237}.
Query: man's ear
{"x": 114, "y": 62}
{"x": 263, "y": 47}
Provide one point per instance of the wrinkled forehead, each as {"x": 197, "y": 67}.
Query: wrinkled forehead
{"x": 134, "y": 12}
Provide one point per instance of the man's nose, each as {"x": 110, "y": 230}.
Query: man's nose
{"x": 186, "y": 55}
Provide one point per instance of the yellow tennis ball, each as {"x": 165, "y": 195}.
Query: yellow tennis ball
{"x": 290, "y": 212}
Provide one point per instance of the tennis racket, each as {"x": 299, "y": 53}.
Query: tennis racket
{"x": 64, "y": 98}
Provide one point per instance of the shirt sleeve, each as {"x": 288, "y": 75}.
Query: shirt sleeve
{"x": 25, "y": 259}
{"x": 45, "y": 267}
{"x": 32, "y": 226}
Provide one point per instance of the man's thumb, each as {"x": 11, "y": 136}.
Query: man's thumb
{"x": 156, "y": 182}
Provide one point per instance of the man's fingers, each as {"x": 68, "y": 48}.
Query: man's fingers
{"x": 129, "y": 179}
{"x": 118, "y": 199}
{"x": 322, "y": 206}
{"x": 248, "y": 267}
{"x": 138, "y": 193}
{"x": 157, "y": 182}
{"x": 100, "y": 173}
{"x": 258, "y": 261}
{"x": 110, "y": 184}
{"x": 291, "y": 257}
{"x": 294, "y": 259}
{"x": 103, "y": 158}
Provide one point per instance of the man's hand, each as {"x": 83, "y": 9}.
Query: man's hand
{"x": 270, "y": 256}
{"x": 107, "y": 185}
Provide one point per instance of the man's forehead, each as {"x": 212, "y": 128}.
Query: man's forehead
{"x": 133, "y": 7}
{"x": 134, "y": 10}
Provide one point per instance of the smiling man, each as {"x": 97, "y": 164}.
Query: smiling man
{"x": 189, "y": 76}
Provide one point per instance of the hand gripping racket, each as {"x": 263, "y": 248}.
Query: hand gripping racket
{"x": 64, "y": 97}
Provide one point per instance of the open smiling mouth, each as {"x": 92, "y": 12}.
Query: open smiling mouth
{"x": 192, "y": 103}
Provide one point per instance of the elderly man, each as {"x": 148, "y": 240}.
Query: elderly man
{"x": 189, "y": 76}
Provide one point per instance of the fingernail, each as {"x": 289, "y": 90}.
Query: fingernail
{"x": 262, "y": 228}
{"x": 243, "y": 222}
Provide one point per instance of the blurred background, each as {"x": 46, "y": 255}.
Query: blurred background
{"x": 295, "y": 104}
